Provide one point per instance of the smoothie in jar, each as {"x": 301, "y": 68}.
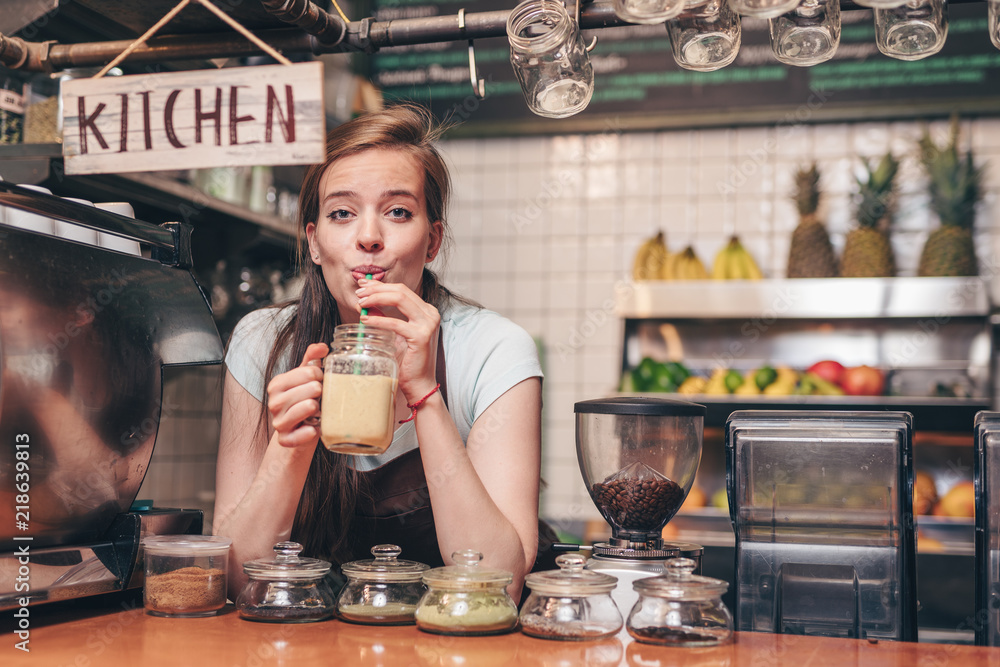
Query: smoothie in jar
{"x": 357, "y": 413}
{"x": 358, "y": 408}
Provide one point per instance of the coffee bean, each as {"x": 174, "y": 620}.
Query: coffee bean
{"x": 638, "y": 504}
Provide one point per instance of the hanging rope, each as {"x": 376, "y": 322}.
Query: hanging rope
{"x": 233, "y": 23}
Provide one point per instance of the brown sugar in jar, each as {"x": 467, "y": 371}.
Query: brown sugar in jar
{"x": 185, "y": 575}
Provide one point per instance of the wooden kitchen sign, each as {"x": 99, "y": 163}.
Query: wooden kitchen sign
{"x": 271, "y": 114}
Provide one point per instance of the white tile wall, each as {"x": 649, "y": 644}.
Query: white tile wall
{"x": 568, "y": 212}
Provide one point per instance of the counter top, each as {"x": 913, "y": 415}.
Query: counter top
{"x": 127, "y": 636}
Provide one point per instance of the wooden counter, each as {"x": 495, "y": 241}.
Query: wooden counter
{"x": 128, "y": 637}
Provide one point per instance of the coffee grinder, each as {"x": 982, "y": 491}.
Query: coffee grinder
{"x": 638, "y": 457}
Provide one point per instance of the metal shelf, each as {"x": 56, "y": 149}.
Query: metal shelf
{"x": 930, "y": 413}
{"x": 825, "y": 298}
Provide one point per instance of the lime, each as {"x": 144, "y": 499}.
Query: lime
{"x": 678, "y": 372}
{"x": 627, "y": 385}
{"x": 733, "y": 380}
{"x": 662, "y": 379}
{"x": 764, "y": 376}
{"x": 644, "y": 375}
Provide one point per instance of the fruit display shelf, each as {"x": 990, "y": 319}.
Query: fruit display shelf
{"x": 930, "y": 413}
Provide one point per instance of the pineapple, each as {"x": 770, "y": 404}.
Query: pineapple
{"x": 867, "y": 251}
{"x": 811, "y": 253}
{"x": 955, "y": 187}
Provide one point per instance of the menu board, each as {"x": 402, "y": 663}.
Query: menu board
{"x": 639, "y": 86}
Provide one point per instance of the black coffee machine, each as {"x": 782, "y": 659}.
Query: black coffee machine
{"x": 86, "y": 333}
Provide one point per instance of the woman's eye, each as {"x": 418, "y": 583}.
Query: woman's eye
{"x": 338, "y": 214}
{"x": 400, "y": 213}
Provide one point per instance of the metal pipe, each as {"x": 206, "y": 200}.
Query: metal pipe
{"x": 327, "y": 28}
{"x": 51, "y": 57}
{"x": 364, "y": 35}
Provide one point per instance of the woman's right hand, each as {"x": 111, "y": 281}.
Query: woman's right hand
{"x": 293, "y": 400}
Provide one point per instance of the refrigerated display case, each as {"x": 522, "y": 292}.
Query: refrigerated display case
{"x": 931, "y": 338}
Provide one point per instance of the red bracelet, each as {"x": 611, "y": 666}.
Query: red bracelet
{"x": 414, "y": 406}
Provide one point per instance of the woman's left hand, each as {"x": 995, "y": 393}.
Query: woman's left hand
{"x": 416, "y": 331}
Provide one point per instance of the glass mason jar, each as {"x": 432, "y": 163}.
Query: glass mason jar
{"x": 648, "y": 12}
{"x": 912, "y": 31}
{"x": 465, "y": 599}
{"x": 807, "y": 35}
{"x": 680, "y": 608}
{"x": 570, "y": 603}
{"x": 358, "y": 411}
{"x": 706, "y": 36}
{"x": 763, "y": 9}
{"x": 286, "y": 588}
{"x": 383, "y": 591}
{"x": 549, "y": 59}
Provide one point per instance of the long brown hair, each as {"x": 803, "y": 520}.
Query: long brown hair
{"x": 324, "y": 518}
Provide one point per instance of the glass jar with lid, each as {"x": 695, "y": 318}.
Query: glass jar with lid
{"x": 680, "y": 608}
{"x": 570, "y": 603}
{"x": 286, "y": 588}
{"x": 358, "y": 410}
{"x": 383, "y": 591}
{"x": 466, "y": 599}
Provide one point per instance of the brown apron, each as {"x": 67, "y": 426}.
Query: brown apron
{"x": 398, "y": 508}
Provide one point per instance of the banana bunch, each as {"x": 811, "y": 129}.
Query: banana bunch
{"x": 684, "y": 265}
{"x": 784, "y": 384}
{"x": 734, "y": 262}
{"x": 650, "y": 259}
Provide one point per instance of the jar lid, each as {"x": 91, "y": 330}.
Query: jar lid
{"x": 286, "y": 564}
{"x": 640, "y": 405}
{"x": 680, "y": 583}
{"x": 385, "y": 567}
{"x": 186, "y": 545}
{"x": 571, "y": 579}
{"x": 466, "y": 573}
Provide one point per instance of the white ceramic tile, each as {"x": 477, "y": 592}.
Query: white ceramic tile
{"x": 563, "y": 255}
{"x": 870, "y": 139}
{"x": 499, "y": 183}
{"x": 496, "y": 222}
{"x": 673, "y": 221}
{"x": 529, "y": 258}
{"x": 831, "y": 141}
{"x": 527, "y": 295}
{"x": 714, "y": 177}
{"x": 599, "y": 255}
{"x": 675, "y": 178}
{"x": 906, "y": 246}
{"x": 603, "y": 218}
{"x": 756, "y": 215}
{"x": 602, "y": 181}
{"x": 562, "y": 292}
{"x": 566, "y": 220}
{"x": 567, "y": 149}
{"x": 495, "y": 295}
{"x": 793, "y": 140}
{"x": 598, "y": 289}
{"x": 638, "y": 178}
{"x": 638, "y": 145}
{"x": 677, "y": 145}
{"x": 641, "y": 216}
{"x": 495, "y": 257}
{"x": 985, "y": 133}
{"x": 717, "y": 143}
{"x": 754, "y": 143}
{"x": 527, "y": 179}
{"x": 602, "y": 147}
{"x": 531, "y": 151}
{"x": 716, "y": 217}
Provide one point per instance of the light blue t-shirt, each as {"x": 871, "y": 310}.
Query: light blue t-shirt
{"x": 485, "y": 355}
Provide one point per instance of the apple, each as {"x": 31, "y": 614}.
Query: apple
{"x": 862, "y": 381}
{"x": 828, "y": 369}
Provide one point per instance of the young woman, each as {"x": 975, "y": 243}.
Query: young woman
{"x": 464, "y": 473}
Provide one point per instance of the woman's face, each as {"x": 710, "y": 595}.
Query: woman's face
{"x": 372, "y": 219}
